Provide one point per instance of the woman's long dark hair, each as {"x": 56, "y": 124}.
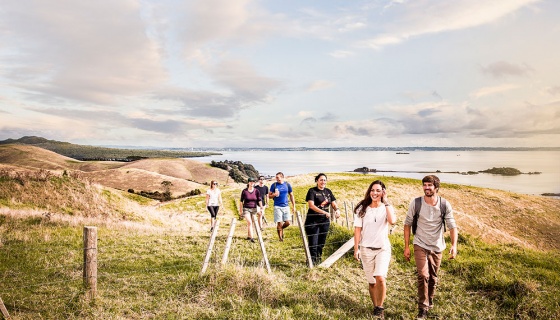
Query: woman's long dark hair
{"x": 361, "y": 208}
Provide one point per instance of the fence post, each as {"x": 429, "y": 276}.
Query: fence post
{"x": 4, "y": 310}
{"x": 210, "y": 246}
{"x": 304, "y": 239}
{"x": 90, "y": 261}
{"x": 261, "y": 242}
{"x": 346, "y": 214}
{"x": 228, "y": 242}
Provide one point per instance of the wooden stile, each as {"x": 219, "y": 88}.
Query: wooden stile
{"x": 210, "y": 246}
{"x": 228, "y": 241}
{"x": 338, "y": 253}
{"x": 261, "y": 242}
{"x": 304, "y": 240}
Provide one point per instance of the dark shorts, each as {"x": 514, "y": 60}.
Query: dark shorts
{"x": 213, "y": 211}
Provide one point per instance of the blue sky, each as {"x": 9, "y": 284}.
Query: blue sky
{"x": 219, "y": 73}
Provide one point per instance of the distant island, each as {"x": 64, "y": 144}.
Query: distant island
{"x": 505, "y": 171}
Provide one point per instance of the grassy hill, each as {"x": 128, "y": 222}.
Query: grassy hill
{"x": 150, "y": 254}
{"x": 147, "y": 175}
{"x": 85, "y": 152}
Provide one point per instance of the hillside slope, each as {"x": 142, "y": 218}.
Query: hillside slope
{"x": 143, "y": 175}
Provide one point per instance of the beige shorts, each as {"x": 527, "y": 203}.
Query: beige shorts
{"x": 249, "y": 211}
{"x": 375, "y": 262}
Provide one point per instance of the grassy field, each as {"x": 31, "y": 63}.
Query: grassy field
{"x": 150, "y": 257}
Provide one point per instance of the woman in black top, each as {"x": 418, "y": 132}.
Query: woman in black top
{"x": 317, "y": 222}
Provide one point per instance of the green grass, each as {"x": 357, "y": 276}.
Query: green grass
{"x": 155, "y": 274}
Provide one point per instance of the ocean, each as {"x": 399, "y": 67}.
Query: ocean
{"x": 415, "y": 164}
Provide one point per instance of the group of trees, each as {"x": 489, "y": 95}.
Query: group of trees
{"x": 166, "y": 194}
{"x": 238, "y": 170}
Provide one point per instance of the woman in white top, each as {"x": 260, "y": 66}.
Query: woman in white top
{"x": 371, "y": 240}
{"x": 213, "y": 202}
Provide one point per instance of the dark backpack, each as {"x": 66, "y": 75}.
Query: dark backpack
{"x": 418, "y": 205}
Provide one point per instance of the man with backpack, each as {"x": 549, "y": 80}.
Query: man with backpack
{"x": 428, "y": 217}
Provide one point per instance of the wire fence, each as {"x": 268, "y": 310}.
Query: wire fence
{"x": 62, "y": 280}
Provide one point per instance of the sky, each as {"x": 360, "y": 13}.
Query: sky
{"x": 222, "y": 73}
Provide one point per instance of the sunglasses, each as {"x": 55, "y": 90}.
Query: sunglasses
{"x": 215, "y": 183}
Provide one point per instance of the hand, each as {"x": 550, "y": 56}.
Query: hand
{"x": 452, "y": 252}
{"x": 357, "y": 255}
{"x": 337, "y": 213}
{"x": 384, "y": 196}
{"x": 407, "y": 254}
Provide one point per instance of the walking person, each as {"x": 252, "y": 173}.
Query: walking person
{"x": 263, "y": 189}
{"x": 213, "y": 202}
{"x": 249, "y": 203}
{"x": 428, "y": 217}
{"x": 372, "y": 217}
{"x": 317, "y": 222}
{"x": 281, "y": 191}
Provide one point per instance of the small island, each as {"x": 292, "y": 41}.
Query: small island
{"x": 506, "y": 171}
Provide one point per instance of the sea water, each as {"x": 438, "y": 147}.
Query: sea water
{"x": 415, "y": 164}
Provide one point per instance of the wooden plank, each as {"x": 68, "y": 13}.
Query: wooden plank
{"x": 261, "y": 242}
{"x": 304, "y": 240}
{"x": 4, "y": 310}
{"x": 338, "y": 253}
{"x": 210, "y": 246}
{"x": 228, "y": 242}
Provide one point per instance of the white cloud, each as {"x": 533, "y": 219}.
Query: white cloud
{"x": 494, "y": 90}
{"x": 421, "y": 17}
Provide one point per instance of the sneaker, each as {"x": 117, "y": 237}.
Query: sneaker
{"x": 422, "y": 314}
{"x": 431, "y": 303}
{"x": 211, "y": 229}
{"x": 378, "y": 312}
{"x": 252, "y": 240}
{"x": 248, "y": 238}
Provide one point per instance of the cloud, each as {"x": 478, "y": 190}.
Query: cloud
{"x": 319, "y": 85}
{"x": 88, "y": 51}
{"x": 502, "y": 69}
{"x": 416, "y": 18}
{"x": 241, "y": 78}
{"x": 486, "y": 91}
{"x": 553, "y": 90}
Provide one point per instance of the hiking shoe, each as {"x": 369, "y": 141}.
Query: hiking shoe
{"x": 248, "y": 238}
{"x": 252, "y": 240}
{"x": 378, "y": 312}
{"x": 431, "y": 303}
{"x": 211, "y": 229}
{"x": 422, "y": 314}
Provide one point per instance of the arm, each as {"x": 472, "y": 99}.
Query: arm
{"x": 293, "y": 201}
{"x": 453, "y": 250}
{"x": 391, "y": 216}
{"x": 406, "y": 242}
{"x": 207, "y": 198}
{"x": 313, "y": 207}
{"x": 220, "y": 199}
{"x": 335, "y": 208}
{"x": 357, "y": 239}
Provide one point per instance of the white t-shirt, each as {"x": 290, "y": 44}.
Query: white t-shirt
{"x": 375, "y": 228}
{"x": 214, "y": 199}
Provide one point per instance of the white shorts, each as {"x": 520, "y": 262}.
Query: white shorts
{"x": 375, "y": 262}
{"x": 282, "y": 214}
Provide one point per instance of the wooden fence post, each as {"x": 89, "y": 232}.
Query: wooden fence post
{"x": 346, "y": 214}
{"x": 210, "y": 246}
{"x": 338, "y": 253}
{"x": 261, "y": 242}
{"x": 90, "y": 261}
{"x": 4, "y": 310}
{"x": 304, "y": 240}
{"x": 228, "y": 241}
